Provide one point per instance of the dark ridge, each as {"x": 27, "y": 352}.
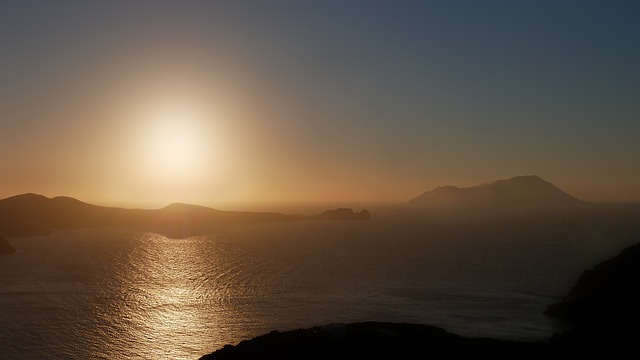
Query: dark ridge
{"x": 376, "y": 340}
{"x": 32, "y": 214}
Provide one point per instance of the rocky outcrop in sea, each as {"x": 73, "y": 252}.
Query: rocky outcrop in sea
{"x": 5, "y": 247}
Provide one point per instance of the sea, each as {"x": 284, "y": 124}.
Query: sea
{"x": 123, "y": 293}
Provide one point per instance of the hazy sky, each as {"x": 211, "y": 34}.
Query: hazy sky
{"x": 142, "y": 103}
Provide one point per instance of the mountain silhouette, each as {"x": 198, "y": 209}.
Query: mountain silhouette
{"x": 33, "y": 214}
{"x": 521, "y": 192}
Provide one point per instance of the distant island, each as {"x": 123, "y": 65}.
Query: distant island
{"x": 517, "y": 193}
{"x": 33, "y": 214}
{"x": 5, "y": 247}
{"x": 344, "y": 214}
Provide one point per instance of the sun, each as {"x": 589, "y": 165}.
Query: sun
{"x": 175, "y": 146}
{"x": 172, "y": 142}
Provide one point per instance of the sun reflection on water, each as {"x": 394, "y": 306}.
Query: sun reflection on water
{"x": 169, "y": 294}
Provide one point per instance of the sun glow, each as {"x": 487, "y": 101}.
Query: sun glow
{"x": 173, "y": 142}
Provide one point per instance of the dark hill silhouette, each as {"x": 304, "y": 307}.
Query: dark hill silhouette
{"x": 521, "y": 192}
{"x": 32, "y": 214}
{"x": 602, "y": 307}
{"x": 376, "y": 340}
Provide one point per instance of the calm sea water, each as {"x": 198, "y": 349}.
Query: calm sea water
{"x": 117, "y": 293}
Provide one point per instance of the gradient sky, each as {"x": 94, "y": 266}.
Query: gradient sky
{"x": 142, "y": 103}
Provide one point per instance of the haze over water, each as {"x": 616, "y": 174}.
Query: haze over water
{"x": 119, "y": 294}
{"x": 300, "y": 107}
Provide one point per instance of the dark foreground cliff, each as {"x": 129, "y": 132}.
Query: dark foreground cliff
{"x": 603, "y": 310}
{"x": 376, "y": 340}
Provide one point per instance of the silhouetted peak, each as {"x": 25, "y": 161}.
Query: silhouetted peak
{"x": 528, "y": 191}
{"x": 175, "y": 205}
{"x": 31, "y": 199}
{"x": 178, "y": 206}
{"x": 27, "y": 197}
{"x": 527, "y": 178}
{"x": 66, "y": 200}
{"x": 523, "y": 180}
{"x": 25, "y": 201}
{"x": 177, "y": 210}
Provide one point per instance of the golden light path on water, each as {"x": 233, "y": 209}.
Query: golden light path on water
{"x": 118, "y": 293}
{"x": 171, "y": 305}
{"x": 172, "y": 297}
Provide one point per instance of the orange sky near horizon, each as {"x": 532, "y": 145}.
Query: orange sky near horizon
{"x": 231, "y": 104}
